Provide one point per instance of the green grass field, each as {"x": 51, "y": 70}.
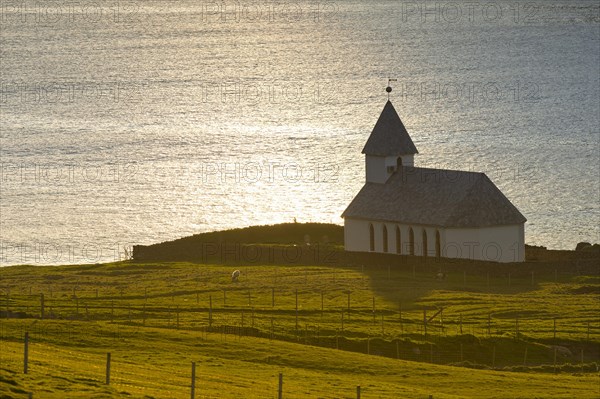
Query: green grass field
{"x": 495, "y": 338}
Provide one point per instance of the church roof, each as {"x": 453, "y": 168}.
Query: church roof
{"x": 389, "y": 136}
{"x": 438, "y": 197}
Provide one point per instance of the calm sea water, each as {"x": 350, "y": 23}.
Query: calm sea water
{"x": 135, "y": 122}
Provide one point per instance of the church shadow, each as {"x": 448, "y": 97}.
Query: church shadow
{"x": 409, "y": 281}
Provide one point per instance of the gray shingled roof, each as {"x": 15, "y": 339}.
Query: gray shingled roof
{"x": 389, "y": 136}
{"x": 438, "y": 197}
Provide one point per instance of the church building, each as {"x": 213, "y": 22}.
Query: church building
{"x": 407, "y": 210}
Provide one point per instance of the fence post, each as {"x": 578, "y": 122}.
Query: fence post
{"x": 210, "y": 311}
{"x": 193, "y": 380}
{"x": 42, "y": 306}
{"x": 358, "y": 392}
{"x": 296, "y": 311}
{"x": 321, "y": 302}
{"x": 108, "y": 368}
{"x": 280, "y": 389}
{"x": 348, "y": 293}
{"x": 588, "y": 330}
{"x": 26, "y": 353}
{"x": 525, "y": 358}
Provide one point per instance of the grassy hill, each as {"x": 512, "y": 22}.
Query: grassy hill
{"x": 491, "y": 330}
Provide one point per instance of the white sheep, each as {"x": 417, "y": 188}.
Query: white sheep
{"x": 235, "y": 275}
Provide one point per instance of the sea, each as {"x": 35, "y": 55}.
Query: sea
{"x": 136, "y": 122}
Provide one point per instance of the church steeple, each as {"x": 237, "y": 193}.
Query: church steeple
{"x": 389, "y": 146}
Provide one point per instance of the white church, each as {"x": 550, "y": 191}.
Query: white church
{"x": 407, "y": 210}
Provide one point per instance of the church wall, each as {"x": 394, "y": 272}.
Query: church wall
{"x": 498, "y": 243}
{"x": 376, "y": 170}
{"x": 356, "y": 235}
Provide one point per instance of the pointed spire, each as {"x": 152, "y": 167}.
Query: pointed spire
{"x": 389, "y": 136}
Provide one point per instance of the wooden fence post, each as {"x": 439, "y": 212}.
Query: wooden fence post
{"x": 358, "y": 392}
{"x": 588, "y": 330}
{"x": 296, "y": 308}
{"x": 321, "y": 302}
{"x": 554, "y": 359}
{"x": 280, "y": 389}
{"x": 348, "y": 293}
{"x": 210, "y": 311}
{"x": 42, "y": 306}
{"x": 108, "y": 368}
{"x": 525, "y": 358}
{"x": 193, "y": 380}
{"x": 26, "y": 353}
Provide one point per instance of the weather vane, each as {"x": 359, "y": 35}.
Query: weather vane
{"x": 388, "y": 89}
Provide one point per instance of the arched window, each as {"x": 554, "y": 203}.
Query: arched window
{"x": 398, "y": 241}
{"x": 438, "y": 246}
{"x": 411, "y": 242}
{"x": 372, "y": 237}
{"x": 399, "y": 163}
{"x": 424, "y": 242}
{"x": 385, "y": 239}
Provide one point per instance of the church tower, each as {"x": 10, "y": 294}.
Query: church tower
{"x": 389, "y": 147}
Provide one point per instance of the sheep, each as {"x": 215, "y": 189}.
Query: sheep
{"x": 440, "y": 276}
{"x": 235, "y": 275}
